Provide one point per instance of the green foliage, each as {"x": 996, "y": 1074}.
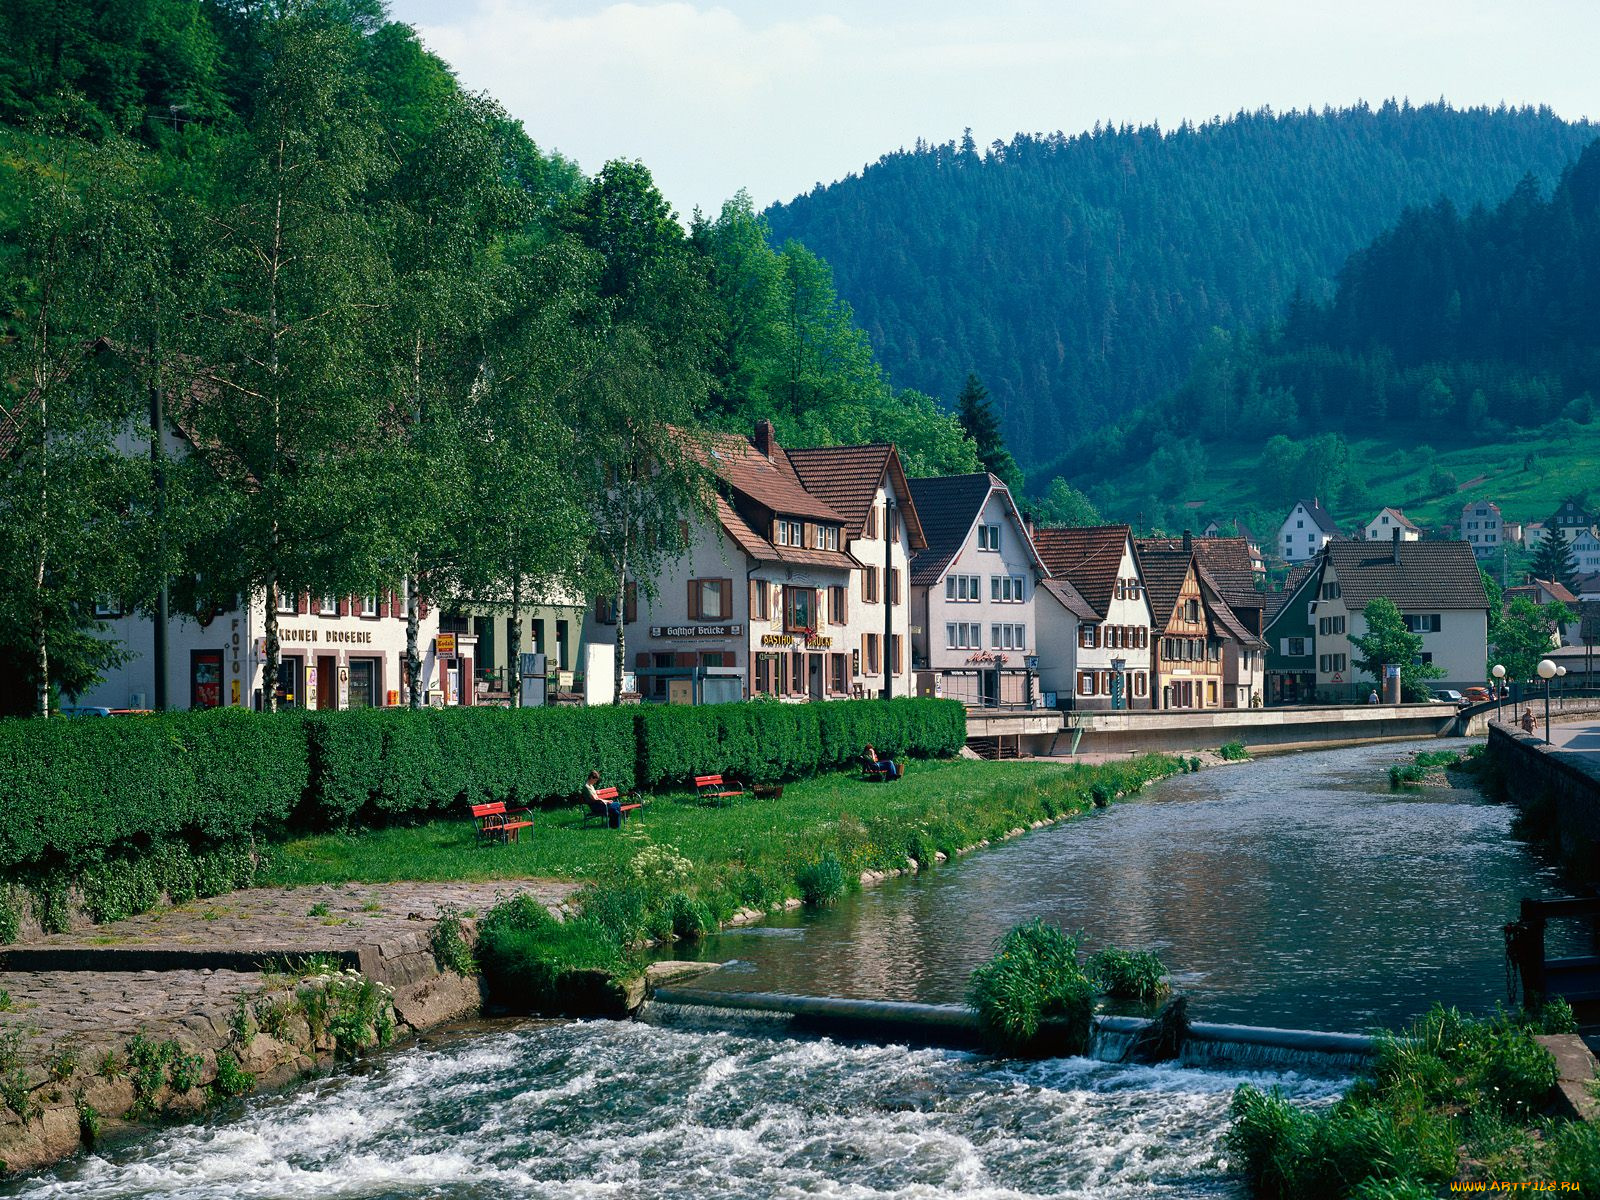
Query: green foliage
{"x": 761, "y": 742}
{"x": 529, "y": 957}
{"x": 10, "y": 918}
{"x": 449, "y": 943}
{"x": 88, "y": 1119}
{"x": 976, "y": 413}
{"x": 1556, "y": 1017}
{"x": 16, "y": 1093}
{"x": 1553, "y": 558}
{"x": 1129, "y": 974}
{"x": 1233, "y": 752}
{"x": 1525, "y": 634}
{"x": 822, "y": 882}
{"x": 1034, "y": 977}
{"x": 1446, "y": 1093}
{"x": 1388, "y": 641}
{"x": 147, "y": 1068}
{"x": 232, "y": 1080}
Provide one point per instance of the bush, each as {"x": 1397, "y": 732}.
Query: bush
{"x": 530, "y": 959}
{"x": 764, "y": 741}
{"x": 1129, "y": 974}
{"x": 1034, "y": 977}
{"x": 1233, "y": 752}
{"x": 822, "y": 882}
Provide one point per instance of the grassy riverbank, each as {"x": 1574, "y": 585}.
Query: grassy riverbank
{"x": 750, "y": 851}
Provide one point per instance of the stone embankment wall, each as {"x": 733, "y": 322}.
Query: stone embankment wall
{"x": 1566, "y": 783}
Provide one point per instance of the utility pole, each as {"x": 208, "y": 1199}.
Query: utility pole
{"x": 888, "y": 600}
{"x": 158, "y": 469}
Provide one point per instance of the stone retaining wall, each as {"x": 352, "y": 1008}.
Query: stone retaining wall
{"x": 1569, "y": 781}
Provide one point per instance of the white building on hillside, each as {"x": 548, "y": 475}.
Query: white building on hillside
{"x": 1383, "y": 526}
{"x": 1483, "y": 528}
{"x": 1305, "y": 531}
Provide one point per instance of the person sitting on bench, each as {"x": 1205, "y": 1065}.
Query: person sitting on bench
{"x": 613, "y": 807}
{"x": 886, "y": 767}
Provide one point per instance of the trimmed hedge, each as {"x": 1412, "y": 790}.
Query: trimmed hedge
{"x": 79, "y": 791}
{"x": 764, "y": 741}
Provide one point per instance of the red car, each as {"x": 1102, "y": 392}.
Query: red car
{"x": 1477, "y": 695}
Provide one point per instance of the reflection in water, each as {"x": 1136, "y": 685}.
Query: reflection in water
{"x": 1294, "y": 891}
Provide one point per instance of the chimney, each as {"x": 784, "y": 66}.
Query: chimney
{"x": 1188, "y": 542}
{"x": 1396, "y": 543}
{"x": 764, "y": 438}
{"x": 1027, "y": 521}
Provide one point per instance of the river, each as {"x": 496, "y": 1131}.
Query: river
{"x": 1294, "y": 891}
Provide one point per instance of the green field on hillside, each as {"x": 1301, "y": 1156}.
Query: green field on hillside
{"x": 1527, "y": 473}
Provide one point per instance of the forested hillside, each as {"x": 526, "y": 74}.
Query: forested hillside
{"x": 1461, "y": 350}
{"x": 1078, "y": 276}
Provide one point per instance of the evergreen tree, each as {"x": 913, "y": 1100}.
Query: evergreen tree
{"x": 976, "y": 413}
{"x": 1553, "y": 559}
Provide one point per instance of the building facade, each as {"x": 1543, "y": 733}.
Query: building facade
{"x": 974, "y": 587}
{"x": 1483, "y": 528}
{"x": 1305, "y": 531}
{"x": 1108, "y": 661}
{"x": 1290, "y": 634}
{"x": 1387, "y": 523}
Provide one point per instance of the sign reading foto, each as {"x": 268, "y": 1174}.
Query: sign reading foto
{"x": 696, "y": 631}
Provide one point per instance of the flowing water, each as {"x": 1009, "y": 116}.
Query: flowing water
{"x": 634, "y": 1111}
{"x": 1295, "y": 891}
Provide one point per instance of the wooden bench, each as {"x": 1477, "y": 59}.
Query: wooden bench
{"x": 878, "y": 772}
{"x": 713, "y": 787}
{"x": 597, "y": 808}
{"x": 496, "y": 823}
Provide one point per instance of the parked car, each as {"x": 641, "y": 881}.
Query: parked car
{"x": 1477, "y": 695}
{"x": 1447, "y": 696}
{"x": 98, "y": 710}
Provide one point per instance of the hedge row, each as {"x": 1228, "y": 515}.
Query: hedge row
{"x": 72, "y": 791}
{"x": 766, "y": 741}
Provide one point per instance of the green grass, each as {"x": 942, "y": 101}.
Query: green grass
{"x": 1394, "y": 475}
{"x": 751, "y": 851}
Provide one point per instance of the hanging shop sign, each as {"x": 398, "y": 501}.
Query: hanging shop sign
{"x": 444, "y": 645}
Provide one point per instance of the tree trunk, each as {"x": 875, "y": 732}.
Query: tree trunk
{"x": 514, "y": 645}
{"x": 269, "y": 675}
{"x": 413, "y": 653}
{"x": 41, "y": 644}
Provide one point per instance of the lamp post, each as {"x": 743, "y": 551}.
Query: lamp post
{"x": 1499, "y": 673}
{"x": 1547, "y": 672}
{"x": 1561, "y": 673}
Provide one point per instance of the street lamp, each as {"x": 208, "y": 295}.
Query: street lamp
{"x": 1499, "y": 673}
{"x": 1547, "y": 672}
{"x": 1561, "y": 673}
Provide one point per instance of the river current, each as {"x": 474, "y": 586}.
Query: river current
{"x": 1295, "y": 891}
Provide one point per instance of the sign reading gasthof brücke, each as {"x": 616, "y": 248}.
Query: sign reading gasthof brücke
{"x": 696, "y": 631}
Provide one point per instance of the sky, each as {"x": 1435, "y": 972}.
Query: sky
{"x": 776, "y": 96}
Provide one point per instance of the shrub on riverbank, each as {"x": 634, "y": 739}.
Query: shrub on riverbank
{"x": 534, "y": 962}
{"x": 1233, "y": 752}
{"x": 1129, "y": 974}
{"x": 1034, "y": 978}
{"x": 1450, "y": 1097}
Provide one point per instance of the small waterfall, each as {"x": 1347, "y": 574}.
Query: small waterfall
{"x": 1111, "y": 1045}
{"x": 701, "y": 1018}
{"x": 1256, "y": 1056}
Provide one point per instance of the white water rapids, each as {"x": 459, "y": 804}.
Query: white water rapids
{"x": 632, "y": 1110}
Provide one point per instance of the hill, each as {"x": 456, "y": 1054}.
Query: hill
{"x": 1079, "y": 275}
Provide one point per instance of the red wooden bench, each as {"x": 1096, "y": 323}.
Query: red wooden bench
{"x": 712, "y": 787}
{"x": 495, "y": 822}
{"x": 597, "y": 808}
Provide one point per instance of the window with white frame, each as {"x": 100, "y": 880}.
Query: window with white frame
{"x": 288, "y": 602}
{"x": 369, "y": 605}
{"x": 788, "y": 533}
{"x": 1422, "y": 622}
{"x": 963, "y": 588}
{"x": 988, "y": 537}
{"x": 108, "y": 608}
{"x": 827, "y": 537}
{"x": 1008, "y": 637}
{"x": 963, "y": 635}
{"x": 328, "y": 606}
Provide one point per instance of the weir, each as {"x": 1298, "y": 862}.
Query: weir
{"x": 955, "y": 1026}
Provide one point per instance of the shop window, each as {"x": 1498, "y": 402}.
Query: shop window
{"x": 363, "y": 682}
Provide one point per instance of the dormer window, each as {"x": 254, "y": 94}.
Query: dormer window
{"x": 988, "y": 537}
{"x": 788, "y": 533}
{"x": 827, "y": 537}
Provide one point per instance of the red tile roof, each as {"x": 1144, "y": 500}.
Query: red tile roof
{"x": 769, "y": 482}
{"x": 1164, "y": 571}
{"x": 847, "y": 478}
{"x": 1090, "y": 558}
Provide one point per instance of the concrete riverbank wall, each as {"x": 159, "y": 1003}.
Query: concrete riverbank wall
{"x": 1298, "y": 728}
{"x": 1562, "y": 787}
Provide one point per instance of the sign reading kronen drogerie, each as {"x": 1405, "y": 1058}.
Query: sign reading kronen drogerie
{"x": 696, "y": 631}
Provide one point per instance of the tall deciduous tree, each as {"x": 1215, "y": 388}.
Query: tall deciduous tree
{"x": 1388, "y": 642}
{"x": 1525, "y": 633}
{"x": 1064, "y": 506}
{"x": 71, "y": 510}
{"x": 292, "y": 407}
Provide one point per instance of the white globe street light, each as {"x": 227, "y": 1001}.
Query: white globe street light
{"x": 1561, "y": 673}
{"x": 1499, "y": 673}
{"x": 1547, "y": 672}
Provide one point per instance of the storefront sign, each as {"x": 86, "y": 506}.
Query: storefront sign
{"x": 811, "y": 641}
{"x": 777, "y": 639}
{"x": 444, "y": 645}
{"x": 696, "y": 631}
{"x": 818, "y": 643}
{"x": 361, "y": 637}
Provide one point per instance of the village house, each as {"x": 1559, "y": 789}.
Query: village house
{"x": 770, "y": 598}
{"x": 1187, "y": 663}
{"x": 1549, "y": 591}
{"x": 973, "y": 592}
{"x": 1440, "y": 594}
{"x": 1586, "y": 549}
{"x": 1094, "y": 619}
{"x": 1230, "y": 589}
{"x": 1290, "y": 634}
{"x": 1384, "y": 526}
{"x": 552, "y": 627}
{"x": 1483, "y": 528}
{"x": 1305, "y": 531}
{"x": 1215, "y": 531}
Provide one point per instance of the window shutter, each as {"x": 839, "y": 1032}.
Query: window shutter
{"x": 683, "y": 658}
{"x": 631, "y": 603}
{"x": 725, "y": 586}
{"x": 842, "y": 617}
{"x": 694, "y": 599}
{"x": 341, "y": 606}
{"x": 755, "y": 598}
{"x": 641, "y": 659}
{"x": 302, "y": 602}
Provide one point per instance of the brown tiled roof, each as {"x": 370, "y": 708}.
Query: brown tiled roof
{"x": 1070, "y": 598}
{"x": 1427, "y": 575}
{"x": 847, "y": 479}
{"x": 1088, "y": 557}
{"x": 1297, "y": 576}
{"x": 1557, "y": 590}
{"x": 752, "y": 543}
{"x": 949, "y": 506}
{"x": 1229, "y": 562}
{"x": 1531, "y": 591}
{"x": 1164, "y": 571}
{"x": 770, "y": 482}
{"x": 1224, "y": 616}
